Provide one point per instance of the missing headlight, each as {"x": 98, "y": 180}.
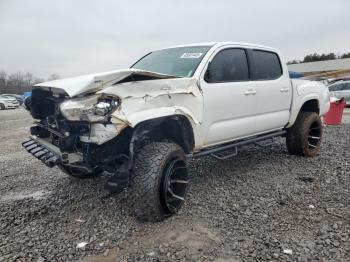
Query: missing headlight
{"x": 102, "y": 108}
{"x": 92, "y": 109}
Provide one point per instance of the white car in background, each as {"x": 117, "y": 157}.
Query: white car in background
{"x": 7, "y": 102}
{"x": 340, "y": 89}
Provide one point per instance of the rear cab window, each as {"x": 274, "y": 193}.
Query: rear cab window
{"x": 267, "y": 65}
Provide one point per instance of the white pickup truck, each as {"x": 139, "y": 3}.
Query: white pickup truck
{"x": 139, "y": 126}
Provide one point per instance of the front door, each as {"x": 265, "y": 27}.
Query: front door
{"x": 229, "y": 97}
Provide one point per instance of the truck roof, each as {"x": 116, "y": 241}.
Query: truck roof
{"x": 219, "y": 44}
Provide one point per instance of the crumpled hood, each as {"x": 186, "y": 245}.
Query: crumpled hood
{"x": 94, "y": 82}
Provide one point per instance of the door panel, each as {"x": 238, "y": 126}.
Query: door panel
{"x": 273, "y": 103}
{"x": 274, "y": 91}
{"x": 229, "y": 113}
{"x": 229, "y": 97}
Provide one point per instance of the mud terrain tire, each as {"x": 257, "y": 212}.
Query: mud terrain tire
{"x": 158, "y": 184}
{"x": 304, "y": 137}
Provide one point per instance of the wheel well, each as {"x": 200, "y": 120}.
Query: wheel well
{"x": 311, "y": 106}
{"x": 176, "y": 128}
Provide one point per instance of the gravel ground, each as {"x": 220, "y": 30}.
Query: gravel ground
{"x": 262, "y": 205}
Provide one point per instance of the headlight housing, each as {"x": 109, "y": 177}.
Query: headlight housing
{"x": 94, "y": 108}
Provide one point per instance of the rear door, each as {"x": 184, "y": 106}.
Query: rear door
{"x": 274, "y": 91}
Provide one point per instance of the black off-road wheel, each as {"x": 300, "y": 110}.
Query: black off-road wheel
{"x": 78, "y": 173}
{"x": 304, "y": 137}
{"x": 159, "y": 181}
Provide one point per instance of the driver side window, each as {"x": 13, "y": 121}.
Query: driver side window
{"x": 229, "y": 65}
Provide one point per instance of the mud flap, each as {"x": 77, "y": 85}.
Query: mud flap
{"x": 143, "y": 133}
{"x": 119, "y": 181}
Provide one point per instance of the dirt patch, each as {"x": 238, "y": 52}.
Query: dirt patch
{"x": 191, "y": 239}
{"x": 14, "y": 196}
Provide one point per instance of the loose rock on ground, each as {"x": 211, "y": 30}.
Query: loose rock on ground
{"x": 261, "y": 205}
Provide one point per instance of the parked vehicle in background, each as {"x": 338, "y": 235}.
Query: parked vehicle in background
{"x": 293, "y": 75}
{"x": 7, "y": 102}
{"x": 19, "y": 98}
{"x": 26, "y": 102}
{"x": 341, "y": 89}
{"x": 320, "y": 79}
{"x": 27, "y": 94}
{"x": 334, "y": 80}
{"x": 27, "y": 99}
{"x": 141, "y": 125}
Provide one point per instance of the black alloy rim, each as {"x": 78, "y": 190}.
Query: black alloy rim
{"x": 314, "y": 136}
{"x": 174, "y": 185}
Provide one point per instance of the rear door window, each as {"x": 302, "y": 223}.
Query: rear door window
{"x": 229, "y": 65}
{"x": 267, "y": 65}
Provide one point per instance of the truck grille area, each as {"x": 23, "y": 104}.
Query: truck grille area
{"x": 60, "y": 132}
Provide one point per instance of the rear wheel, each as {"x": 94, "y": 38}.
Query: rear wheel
{"x": 159, "y": 181}
{"x": 304, "y": 137}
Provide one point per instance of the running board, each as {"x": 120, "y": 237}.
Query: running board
{"x": 234, "y": 145}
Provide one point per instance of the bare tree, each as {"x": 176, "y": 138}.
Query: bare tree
{"x": 15, "y": 83}
{"x": 54, "y": 77}
{"x": 3, "y": 81}
{"x": 18, "y": 83}
{"x": 29, "y": 79}
{"x": 38, "y": 80}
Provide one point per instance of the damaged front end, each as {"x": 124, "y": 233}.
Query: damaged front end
{"x": 100, "y": 128}
{"x": 77, "y": 134}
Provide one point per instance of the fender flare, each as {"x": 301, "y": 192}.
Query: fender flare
{"x": 138, "y": 117}
{"x": 170, "y": 124}
{"x": 297, "y": 107}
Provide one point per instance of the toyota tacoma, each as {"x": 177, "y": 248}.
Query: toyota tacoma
{"x": 140, "y": 126}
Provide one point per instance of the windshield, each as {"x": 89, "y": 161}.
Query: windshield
{"x": 179, "y": 61}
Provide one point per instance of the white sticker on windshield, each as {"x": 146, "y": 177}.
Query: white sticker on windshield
{"x": 191, "y": 55}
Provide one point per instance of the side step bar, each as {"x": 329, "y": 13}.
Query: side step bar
{"x": 234, "y": 145}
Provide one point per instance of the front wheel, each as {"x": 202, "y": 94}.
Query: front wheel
{"x": 159, "y": 181}
{"x": 304, "y": 137}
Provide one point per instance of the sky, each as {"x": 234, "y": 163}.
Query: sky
{"x": 77, "y": 37}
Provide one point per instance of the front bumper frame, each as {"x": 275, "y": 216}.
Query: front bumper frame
{"x": 48, "y": 153}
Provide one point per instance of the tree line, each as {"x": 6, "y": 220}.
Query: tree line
{"x": 18, "y": 83}
{"x": 317, "y": 57}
